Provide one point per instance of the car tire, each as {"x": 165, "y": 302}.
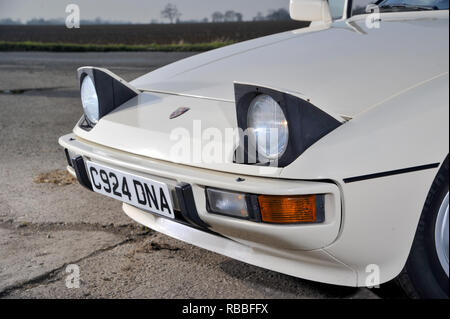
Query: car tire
{"x": 424, "y": 275}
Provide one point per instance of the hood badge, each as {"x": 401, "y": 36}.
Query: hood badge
{"x": 178, "y": 112}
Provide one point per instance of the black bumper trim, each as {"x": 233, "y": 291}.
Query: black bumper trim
{"x": 69, "y": 161}
{"x": 187, "y": 205}
{"x": 80, "y": 171}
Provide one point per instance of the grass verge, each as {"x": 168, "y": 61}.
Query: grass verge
{"x": 73, "y": 47}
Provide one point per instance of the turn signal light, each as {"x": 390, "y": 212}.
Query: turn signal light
{"x": 288, "y": 209}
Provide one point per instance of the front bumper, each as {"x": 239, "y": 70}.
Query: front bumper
{"x": 292, "y": 249}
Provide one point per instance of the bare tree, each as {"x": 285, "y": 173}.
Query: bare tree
{"x": 171, "y": 12}
{"x": 230, "y": 16}
{"x": 259, "y": 17}
{"x": 217, "y": 17}
{"x": 278, "y": 15}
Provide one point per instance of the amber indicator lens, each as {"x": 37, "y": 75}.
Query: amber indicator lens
{"x": 288, "y": 209}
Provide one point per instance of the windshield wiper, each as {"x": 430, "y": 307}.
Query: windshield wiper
{"x": 407, "y": 7}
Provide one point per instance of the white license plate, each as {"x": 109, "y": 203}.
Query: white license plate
{"x": 138, "y": 191}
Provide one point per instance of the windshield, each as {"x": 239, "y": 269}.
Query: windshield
{"x": 359, "y": 6}
{"x": 337, "y": 8}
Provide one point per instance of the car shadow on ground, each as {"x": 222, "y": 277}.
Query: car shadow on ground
{"x": 285, "y": 286}
{"x": 390, "y": 290}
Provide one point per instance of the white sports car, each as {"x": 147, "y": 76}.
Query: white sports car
{"x": 321, "y": 153}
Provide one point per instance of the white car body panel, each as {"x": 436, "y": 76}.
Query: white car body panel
{"x": 316, "y": 265}
{"x": 323, "y": 63}
{"x": 391, "y": 84}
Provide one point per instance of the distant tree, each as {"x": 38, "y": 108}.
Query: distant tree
{"x": 171, "y": 12}
{"x": 217, "y": 17}
{"x": 9, "y": 21}
{"x": 239, "y": 17}
{"x": 280, "y": 14}
{"x": 230, "y": 16}
{"x": 41, "y": 21}
{"x": 259, "y": 17}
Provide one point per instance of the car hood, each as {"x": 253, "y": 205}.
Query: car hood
{"x": 343, "y": 69}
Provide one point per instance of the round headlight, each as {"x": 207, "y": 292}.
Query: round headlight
{"x": 89, "y": 100}
{"x": 270, "y": 126}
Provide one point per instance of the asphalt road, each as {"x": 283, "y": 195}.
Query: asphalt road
{"x": 47, "y": 221}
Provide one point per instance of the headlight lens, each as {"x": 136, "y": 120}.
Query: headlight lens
{"x": 270, "y": 126}
{"x": 89, "y": 100}
{"x": 227, "y": 203}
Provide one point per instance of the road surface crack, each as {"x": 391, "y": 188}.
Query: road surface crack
{"x": 52, "y": 275}
{"x": 123, "y": 229}
{"x": 22, "y": 91}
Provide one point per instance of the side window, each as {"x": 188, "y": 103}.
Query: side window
{"x": 359, "y": 6}
{"x": 337, "y": 8}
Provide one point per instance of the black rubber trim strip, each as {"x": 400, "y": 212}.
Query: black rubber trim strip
{"x": 69, "y": 161}
{"x": 187, "y": 205}
{"x": 254, "y": 213}
{"x": 390, "y": 173}
{"x": 80, "y": 171}
{"x": 320, "y": 208}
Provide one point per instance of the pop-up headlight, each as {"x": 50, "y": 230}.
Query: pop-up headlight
{"x": 102, "y": 92}
{"x": 277, "y": 127}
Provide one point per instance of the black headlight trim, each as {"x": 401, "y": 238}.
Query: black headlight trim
{"x": 112, "y": 91}
{"x": 307, "y": 123}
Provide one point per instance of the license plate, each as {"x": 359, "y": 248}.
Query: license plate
{"x": 138, "y": 191}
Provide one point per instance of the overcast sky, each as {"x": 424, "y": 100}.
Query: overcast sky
{"x": 132, "y": 10}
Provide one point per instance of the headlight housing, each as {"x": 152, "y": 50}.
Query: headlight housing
{"x": 101, "y": 92}
{"x": 297, "y": 125}
{"x": 271, "y": 131}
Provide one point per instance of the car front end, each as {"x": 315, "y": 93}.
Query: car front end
{"x": 334, "y": 195}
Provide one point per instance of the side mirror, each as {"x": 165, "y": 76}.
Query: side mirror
{"x": 310, "y": 10}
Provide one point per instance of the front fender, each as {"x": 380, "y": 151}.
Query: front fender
{"x": 381, "y": 213}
